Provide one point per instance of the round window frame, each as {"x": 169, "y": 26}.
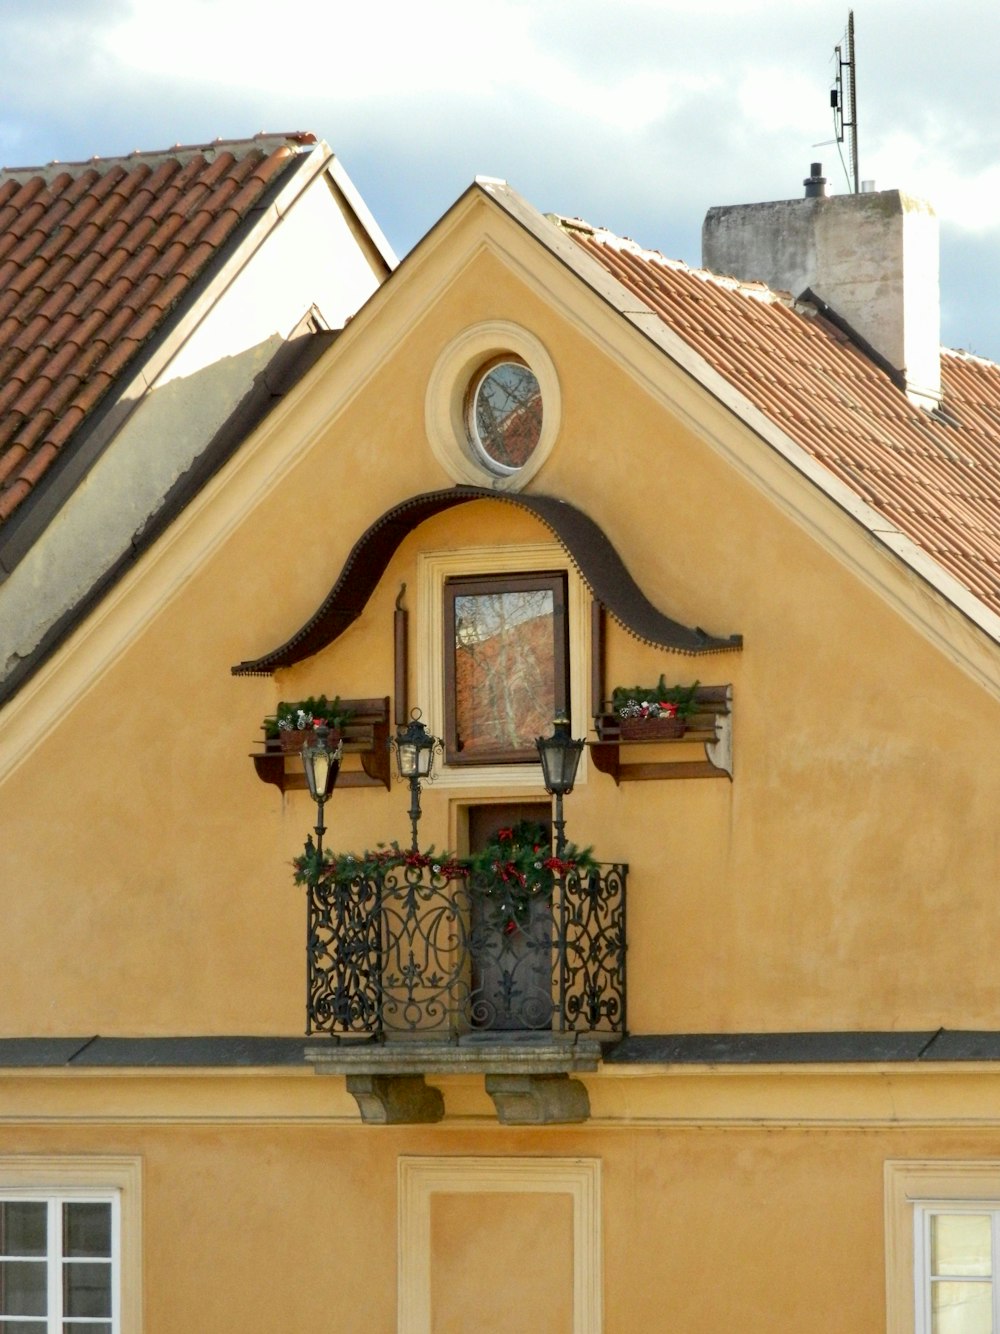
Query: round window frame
{"x": 461, "y": 365}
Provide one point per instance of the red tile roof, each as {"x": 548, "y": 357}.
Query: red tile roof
{"x": 935, "y": 476}
{"x": 93, "y": 258}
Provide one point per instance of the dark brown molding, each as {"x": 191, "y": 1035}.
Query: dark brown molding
{"x": 588, "y": 548}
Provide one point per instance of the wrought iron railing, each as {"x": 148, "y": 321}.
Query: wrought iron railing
{"x": 409, "y": 950}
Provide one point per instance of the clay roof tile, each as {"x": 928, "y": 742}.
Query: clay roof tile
{"x": 92, "y": 257}
{"x": 937, "y": 482}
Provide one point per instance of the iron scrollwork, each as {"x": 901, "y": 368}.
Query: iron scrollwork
{"x": 415, "y": 949}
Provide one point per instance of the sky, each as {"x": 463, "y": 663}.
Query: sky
{"x": 637, "y": 115}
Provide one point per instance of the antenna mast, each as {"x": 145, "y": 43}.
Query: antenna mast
{"x": 843, "y": 100}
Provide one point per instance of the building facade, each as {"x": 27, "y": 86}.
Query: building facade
{"x": 792, "y": 1125}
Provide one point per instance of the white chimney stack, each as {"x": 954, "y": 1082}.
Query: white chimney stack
{"x": 873, "y": 258}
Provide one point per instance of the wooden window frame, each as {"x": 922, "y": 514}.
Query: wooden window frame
{"x": 473, "y": 585}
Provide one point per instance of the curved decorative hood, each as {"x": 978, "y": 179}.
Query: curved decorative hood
{"x": 587, "y": 546}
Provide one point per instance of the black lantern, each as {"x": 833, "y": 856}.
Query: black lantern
{"x": 560, "y": 757}
{"x": 321, "y": 763}
{"x": 415, "y": 749}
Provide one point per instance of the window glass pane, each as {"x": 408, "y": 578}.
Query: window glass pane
{"x": 80, "y": 1327}
{"x": 87, "y": 1289}
{"x": 24, "y": 1326}
{"x": 507, "y": 415}
{"x": 22, "y": 1287}
{"x": 22, "y": 1227}
{"x": 87, "y": 1229}
{"x": 504, "y": 670}
{"x": 961, "y": 1308}
{"x": 960, "y": 1244}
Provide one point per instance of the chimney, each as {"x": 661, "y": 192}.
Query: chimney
{"x": 871, "y": 257}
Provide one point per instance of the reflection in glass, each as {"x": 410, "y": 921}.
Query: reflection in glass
{"x": 960, "y": 1245}
{"x": 23, "y": 1227}
{"x": 87, "y": 1229}
{"x": 22, "y": 1287}
{"x": 506, "y": 416}
{"x": 961, "y": 1308}
{"x": 504, "y": 670}
{"x": 86, "y": 1288}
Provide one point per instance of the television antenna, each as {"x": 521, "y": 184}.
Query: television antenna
{"x": 844, "y": 103}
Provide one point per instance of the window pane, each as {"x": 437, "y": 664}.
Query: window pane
{"x": 87, "y": 1229}
{"x": 505, "y": 660}
{"x": 80, "y": 1327}
{"x": 22, "y": 1227}
{"x": 22, "y": 1287}
{"x": 87, "y": 1289}
{"x": 507, "y": 416}
{"x": 961, "y": 1308}
{"x": 24, "y": 1326}
{"x": 960, "y": 1244}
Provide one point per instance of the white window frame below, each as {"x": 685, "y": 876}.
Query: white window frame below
{"x": 913, "y": 1192}
{"x": 89, "y": 1179}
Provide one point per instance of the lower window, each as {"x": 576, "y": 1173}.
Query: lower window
{"x": 70, "y": 1245}
{"x": 942, "y": 1247}
{"x": 955, "y": 1251}
{"x": 505, "y": 663}
{"x": 59, "y": 1265}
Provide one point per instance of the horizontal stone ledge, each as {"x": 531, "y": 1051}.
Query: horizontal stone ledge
{"x": 524, "y": 1055}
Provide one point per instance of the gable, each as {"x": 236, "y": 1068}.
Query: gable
{"x": 826, "y": 847}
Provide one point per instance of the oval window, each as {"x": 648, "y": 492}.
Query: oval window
{"x": 505, "y": 416}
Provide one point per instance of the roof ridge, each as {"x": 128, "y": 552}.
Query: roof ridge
{"x": 298, "y": 140}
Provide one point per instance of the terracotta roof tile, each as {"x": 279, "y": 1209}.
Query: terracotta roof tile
{"x": 12, "y": 459}
{"x": 92, "y": 257}
{"x": 119, "y": 355}
{"x": 11, "y": 496}
{"x": 39, "y": 462}
{"x": 936, "y": 476}
{"x": 31, "y": 397}
{"x": 144, "y": 324}
{"x": 64, "y": 425}
{"x": 62, "y": 392}
{"x": 34, "y": 429}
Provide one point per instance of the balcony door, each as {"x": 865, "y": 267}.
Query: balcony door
{"x": 511, "y": 961}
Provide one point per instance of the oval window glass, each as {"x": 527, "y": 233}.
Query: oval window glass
{"x": 506, "y": 416}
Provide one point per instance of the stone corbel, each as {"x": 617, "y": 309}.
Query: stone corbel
{"x": 393, "y": 1100}
{"x": 538, "y": 1100}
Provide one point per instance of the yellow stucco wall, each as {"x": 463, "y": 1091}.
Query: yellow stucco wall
{"x": 251, "y": 1226}
{"x": 846, "y": 878}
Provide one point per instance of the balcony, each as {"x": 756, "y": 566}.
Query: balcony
{"x": 415, "y": 968}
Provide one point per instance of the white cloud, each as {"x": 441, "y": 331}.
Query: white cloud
{"x": 640, "y": 113}
{"x": 970, "y": 199}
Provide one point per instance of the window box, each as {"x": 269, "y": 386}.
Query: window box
{"x": 365, "y": 733}
{"x": 709, "y": 723}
